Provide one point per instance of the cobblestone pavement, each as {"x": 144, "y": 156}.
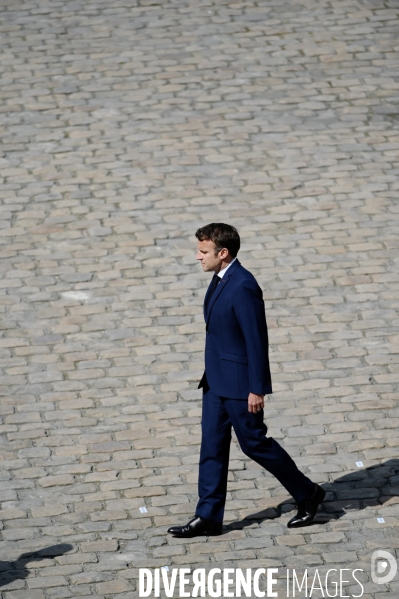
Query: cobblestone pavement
{"x": 125, "y": 126}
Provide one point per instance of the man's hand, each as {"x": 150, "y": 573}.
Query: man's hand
{"x": 256, "y": 403}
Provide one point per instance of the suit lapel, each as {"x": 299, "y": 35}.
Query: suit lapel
{"x": 218, "y": 290}
{"x": 206, "y": 297}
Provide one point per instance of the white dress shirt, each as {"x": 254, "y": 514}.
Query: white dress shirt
{"x": 222, "y": 272}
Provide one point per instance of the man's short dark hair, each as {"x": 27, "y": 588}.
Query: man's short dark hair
{"x": 222, "y": 235}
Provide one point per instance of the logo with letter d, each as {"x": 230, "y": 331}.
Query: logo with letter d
{"x": 380, "y": 560}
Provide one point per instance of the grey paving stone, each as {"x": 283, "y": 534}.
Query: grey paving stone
{"x": 125, "y": 127}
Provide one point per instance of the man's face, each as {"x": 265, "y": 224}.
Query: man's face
{"x": 210, "y": 259}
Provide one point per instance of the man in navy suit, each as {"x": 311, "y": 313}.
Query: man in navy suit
{"x": 235, "y": 381}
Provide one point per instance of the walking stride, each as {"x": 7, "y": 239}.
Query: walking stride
{"x": 235, "y": 381}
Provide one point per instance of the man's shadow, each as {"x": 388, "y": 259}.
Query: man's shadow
{"x": 357, "y": 490}
{"x": 10, "y": 571}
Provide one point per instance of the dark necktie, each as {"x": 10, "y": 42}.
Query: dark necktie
{"x": 214, "y": 283}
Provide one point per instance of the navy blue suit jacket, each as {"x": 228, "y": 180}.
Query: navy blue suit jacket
{"x": 236, "y": 348}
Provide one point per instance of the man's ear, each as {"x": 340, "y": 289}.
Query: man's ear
{"x": 224, "y": 253}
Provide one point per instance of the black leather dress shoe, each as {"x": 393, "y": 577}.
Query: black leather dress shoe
{"x": 197, "y": 527}
{"x": 307, "y": 508}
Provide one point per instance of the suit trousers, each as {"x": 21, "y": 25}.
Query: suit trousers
{"x": 219, "y": 414}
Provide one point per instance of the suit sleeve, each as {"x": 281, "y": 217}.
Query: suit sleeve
{"x": 249, "y": 309}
